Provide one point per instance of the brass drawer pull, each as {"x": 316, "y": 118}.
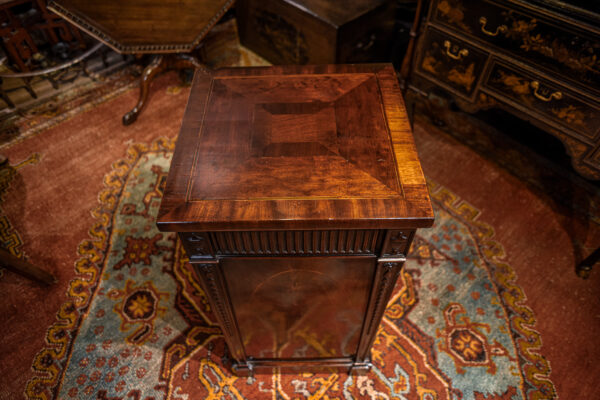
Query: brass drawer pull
{"x": 501, "y": 28}
{"x": 458, "y": 55}
{"x": 535, "y": 85}
{"x": 361, "y": 46}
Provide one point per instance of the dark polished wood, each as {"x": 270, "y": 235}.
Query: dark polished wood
{"x": 284, "y": 303}
{"x": 144, "y": 26}
{"x": 533, "y": 59}
{"x": 323, "y": 147}
{"x": 296, "y": 191}
{"x": 22, "y": 267}
{"x": 317, "y": 31}
{"x": 174, "y": 28}
{"x": 584, "y": 268}
{"x": 159, "y": 64}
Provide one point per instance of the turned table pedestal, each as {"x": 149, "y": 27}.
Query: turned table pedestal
{"x": 296, "y": 192}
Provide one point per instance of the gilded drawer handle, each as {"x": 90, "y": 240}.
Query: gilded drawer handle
{"x": 361, "y": 46}
{"x": 535, "y": 85}
{"x": 457, "y": 56}
{"x": 501, "y": 28}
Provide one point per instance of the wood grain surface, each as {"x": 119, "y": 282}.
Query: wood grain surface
{"x": 144, "y": 26}
{"x": 297, "y": 147}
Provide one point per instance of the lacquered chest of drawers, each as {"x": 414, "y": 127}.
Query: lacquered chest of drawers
{"x": 296, "y": 192}
{"x": 539, "y": 60}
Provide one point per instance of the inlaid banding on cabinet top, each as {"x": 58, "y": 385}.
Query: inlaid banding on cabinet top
{"x": 295, "y": 148}
{"x": 338, "y": 153}
{"x": 297, "y": 242}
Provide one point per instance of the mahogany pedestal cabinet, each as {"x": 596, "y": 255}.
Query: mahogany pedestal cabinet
{"x": 296, "y": 192}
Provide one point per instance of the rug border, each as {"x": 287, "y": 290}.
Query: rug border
{"x": 536, "y": 371}
{"x": 89, "y": 268}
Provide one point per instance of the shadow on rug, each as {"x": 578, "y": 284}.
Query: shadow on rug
{"x": 137, "y": 324}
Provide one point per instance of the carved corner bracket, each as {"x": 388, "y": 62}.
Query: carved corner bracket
{"x": 198, "y": 247}
{"x": 397, "y": 243}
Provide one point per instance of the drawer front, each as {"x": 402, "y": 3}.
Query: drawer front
{"x": 208, "y": 245}
{"x": 450, "y": 62}
{"x": 544, "y": 97}
{"x": 550, "y": 44}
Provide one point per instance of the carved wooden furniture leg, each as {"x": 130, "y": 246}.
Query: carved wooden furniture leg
{"x": 186, "y": 61}
{"x": 584, "y": 268}
{"x": 5, "y": 97}
{"x": 157, "y": 65}
{"x": 15, "y": 264}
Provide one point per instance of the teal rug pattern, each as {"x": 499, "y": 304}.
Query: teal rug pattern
{"x": 137, "y": 324}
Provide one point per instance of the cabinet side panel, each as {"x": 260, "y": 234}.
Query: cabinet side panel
{"x": 297, "y": 308}
{"x": 284, "y": 33}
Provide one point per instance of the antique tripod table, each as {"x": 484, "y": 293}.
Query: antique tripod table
{"x": 169, "y": 29}
{"x": 296, "y": 192}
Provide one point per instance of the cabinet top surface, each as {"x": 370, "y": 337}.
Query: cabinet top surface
{"x": 295, "y": 147}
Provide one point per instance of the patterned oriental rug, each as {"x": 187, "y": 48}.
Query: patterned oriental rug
{"x": 480, "y": 292}
{"x": 140, "y": 325}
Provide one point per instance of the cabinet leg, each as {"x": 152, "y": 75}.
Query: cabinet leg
{"x": 243, "y": 369}
{"x": 361, "y": 368}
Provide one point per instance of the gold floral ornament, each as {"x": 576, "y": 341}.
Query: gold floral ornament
{"x": 140, "y": 251}
{"x": 139, "y": 307}
{"x": 429, "y": 64}
{"x": 468, "y": 345}
{"x": 570, "y": 114}
{"x": 515, "y": 83}
{"x": 466, "y": 342}
{"x": 465, "y": 78}
{"x": 580, "y": 55}
{"x": 453, "y": 13}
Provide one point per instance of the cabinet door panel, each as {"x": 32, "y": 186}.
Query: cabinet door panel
{"x": 299, "y": 307}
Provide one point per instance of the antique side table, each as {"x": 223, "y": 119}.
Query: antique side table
{"x": 169, "y": 29}
{"x": 296, "y": 192}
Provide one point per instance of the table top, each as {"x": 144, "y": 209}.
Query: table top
{"x": 144, "y": 26}
{"x": 297, "y": 147}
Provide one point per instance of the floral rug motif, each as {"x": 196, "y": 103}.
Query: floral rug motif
{"x": 138, "y": 325}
